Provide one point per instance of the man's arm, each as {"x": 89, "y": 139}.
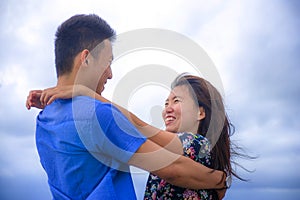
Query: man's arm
{"x": 176, "y": 169}
{"x": 160, "y": 154}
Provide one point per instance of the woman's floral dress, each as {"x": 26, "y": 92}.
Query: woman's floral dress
{"x": 196, "y": 147}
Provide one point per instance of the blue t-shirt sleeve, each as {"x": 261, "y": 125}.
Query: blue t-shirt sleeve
{"x": 113, "y": 134}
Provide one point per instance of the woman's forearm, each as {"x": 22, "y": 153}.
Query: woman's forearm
{"x": 163, "y": 138}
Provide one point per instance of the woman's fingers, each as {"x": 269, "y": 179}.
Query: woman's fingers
{"x": 41, "y": 98}
{"x": 46, "y": 94}
{"x": 60, "y": 92}
{"x": 52, "y": 98}
{"x": 33, "y": 99}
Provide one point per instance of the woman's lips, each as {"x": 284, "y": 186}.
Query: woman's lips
{"x": 169, "y": 119}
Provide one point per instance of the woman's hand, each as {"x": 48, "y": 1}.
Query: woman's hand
{"x": 65, "y": 92}
{"x": 33, "y": 99}
{"x": 41, "y": 98}
{"x": 50, "y": 94}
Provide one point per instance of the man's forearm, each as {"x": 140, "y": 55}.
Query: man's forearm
{"x": 187, "y": 173}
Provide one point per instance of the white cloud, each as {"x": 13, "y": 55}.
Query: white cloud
{"x": 20, "y": 155}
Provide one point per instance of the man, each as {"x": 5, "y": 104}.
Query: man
{"x": 86, "y": 146}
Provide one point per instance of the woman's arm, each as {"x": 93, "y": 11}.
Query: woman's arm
{"x": 41, "y": 98}
{"x": 176, "y": 173}
{"x": 163, "y": 138}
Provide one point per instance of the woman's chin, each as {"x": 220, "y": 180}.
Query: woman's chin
{"x": 171, "y": 129}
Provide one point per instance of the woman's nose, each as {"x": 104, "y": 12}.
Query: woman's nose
{"x": 169, "y": 108}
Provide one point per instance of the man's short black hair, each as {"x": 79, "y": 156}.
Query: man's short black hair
{"x": 76, "y": 34}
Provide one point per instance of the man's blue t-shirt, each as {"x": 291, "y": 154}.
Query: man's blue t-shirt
{"x": 84, "y": 146}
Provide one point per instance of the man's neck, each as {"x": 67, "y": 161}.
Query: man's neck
{"x": 65, "y": 80}
{"x": 69, "y": 78}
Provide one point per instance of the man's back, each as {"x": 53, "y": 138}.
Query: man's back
{"x": 73, "y": 137}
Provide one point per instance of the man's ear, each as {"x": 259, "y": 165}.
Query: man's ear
{"x": 201, "y": 113}
{"x": 84, "y": 57}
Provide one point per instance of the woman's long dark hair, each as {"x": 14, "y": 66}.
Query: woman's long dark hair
{"x": 216, "y": 125}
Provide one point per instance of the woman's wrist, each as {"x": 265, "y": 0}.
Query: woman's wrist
{"x": 81, "y": 90}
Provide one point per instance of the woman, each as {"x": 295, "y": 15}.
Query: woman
{"x": 195, "y": 111}
{"x": 188, "y": 112}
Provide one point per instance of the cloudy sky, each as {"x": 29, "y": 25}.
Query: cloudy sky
{"x": 254, "y": 45}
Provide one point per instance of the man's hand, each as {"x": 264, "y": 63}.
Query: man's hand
{"x": 221, "y": 193}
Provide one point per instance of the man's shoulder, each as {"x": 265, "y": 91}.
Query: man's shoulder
{"x": 88, "y": 102}
{"x": 90, "y": 105}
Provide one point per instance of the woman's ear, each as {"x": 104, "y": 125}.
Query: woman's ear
{"x": 201, "y": 113}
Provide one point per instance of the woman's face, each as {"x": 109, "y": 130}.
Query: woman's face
{"x": 181, "y": 113}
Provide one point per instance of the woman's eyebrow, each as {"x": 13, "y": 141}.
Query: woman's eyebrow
{"x": 180, "y": 97}
{"x": 173, "y": 98}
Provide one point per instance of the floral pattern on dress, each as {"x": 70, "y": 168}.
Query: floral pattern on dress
{"x": 196, "y": 147}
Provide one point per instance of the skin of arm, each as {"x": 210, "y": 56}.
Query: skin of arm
{"x": 161, "y": 154}
{"x": 40, "y": 98}
{"x": 176, "y": 169}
